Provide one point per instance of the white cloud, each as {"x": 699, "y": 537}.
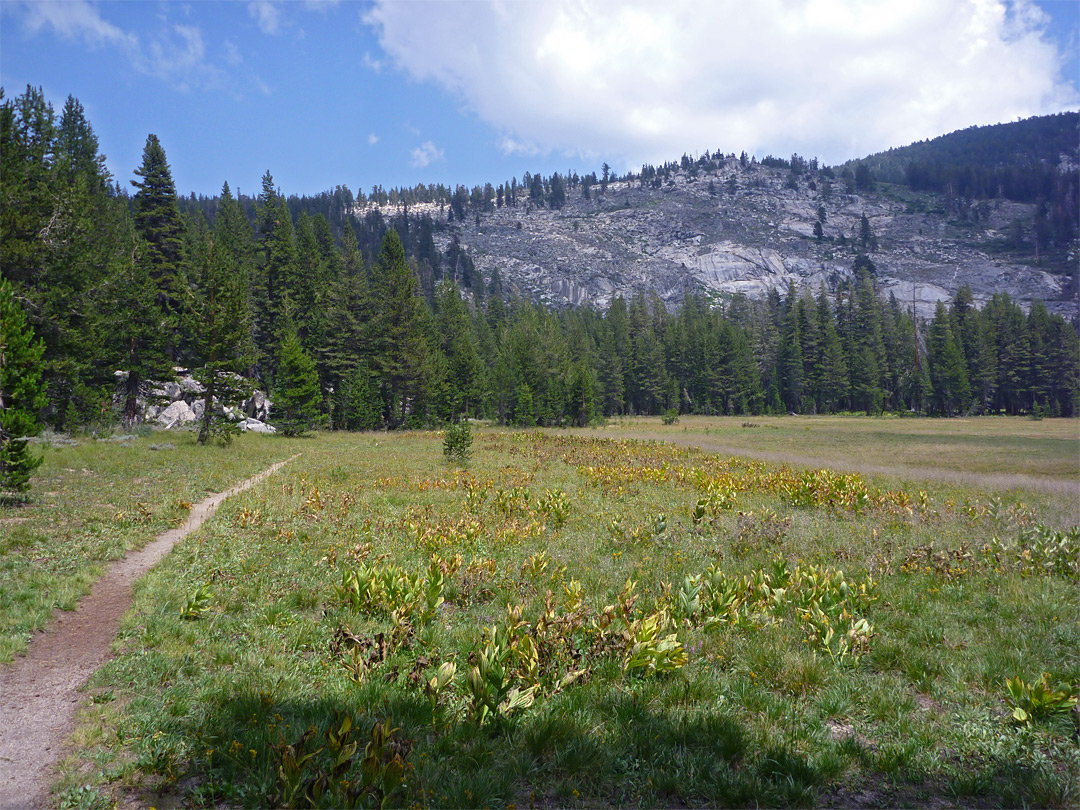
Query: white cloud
{"x": 372, "y": 64}
{"x": 425, "y": 154}
{"x": 178, "y": 56}
{"x": 77, "y": 19}
{"x": 637, "y": 81}
{"x": 267, "y": 15}
{"x": 232, "y": 54}
{"x": 372, "y": 139}
{"x": 175, "y": 54}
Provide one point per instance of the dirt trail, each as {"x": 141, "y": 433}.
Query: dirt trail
{"x": 39, "y": 692}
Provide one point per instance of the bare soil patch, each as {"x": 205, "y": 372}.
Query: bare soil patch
{"x": 39, "y": 693}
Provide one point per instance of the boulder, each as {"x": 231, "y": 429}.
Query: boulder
{"x": 199, "y": 407}
{"x": 255, "y": 426}
{"x": 189, "y": 385}
{"x": 257, "y": 406}
{"x": 170, "y": 391}
{"x": 179, "y": 413}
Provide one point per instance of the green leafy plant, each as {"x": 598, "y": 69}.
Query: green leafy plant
{"x": 555, "y": 506}
{"x": 1040, "y": 699}
{"x": 84, "y": 797}
{"x": 437, "y": 686}
{"x": 307, "y": 780}
{"x": 650, "y": 651}
{"x": 223, "y": 430}
{"x": 198, "y": 602}
{"x": 670, "y": 417}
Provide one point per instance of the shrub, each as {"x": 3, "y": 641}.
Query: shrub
{"x": 457, "y": 444}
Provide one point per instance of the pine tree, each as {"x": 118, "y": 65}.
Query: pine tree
{"x": 582, "y": 394}
{"x": 308, "y": 291}
{"x": 398, "y": 341}
{"x": 948, "y": 374}
{"x": 77, "y": 149}
{"x": 221, "y": 323}
{"x": 867, "y": 361}
{"x": 833, "y": 382}
{"x": 646, "y": 379}
{"x": 21, "y": 393}
{"x": 615, "y": 350}
{"x": 457, "y": 340}
{"x": 157, "y": 218}
{"x": 58, "y": 241}
{"x": 27, "y": 150}
{"x": 789, "y": 357}
{"x": 134, "y": 330}
{"x": 344, "y": 357}
{"x": 296, "y": 390}
{"x": 1012, "y": 351}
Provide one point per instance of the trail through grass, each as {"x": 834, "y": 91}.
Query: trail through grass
{"x": 577, "y": 620}
{"x": 95, "y": 500}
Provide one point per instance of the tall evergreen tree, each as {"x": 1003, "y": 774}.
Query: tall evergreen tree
{"x": 833, "y": 381}
{"x": 948, "y": 373}
{"x": 222, "y": 329}
{"x": 134, "y": 330}
{"x": 646, "y": 380}
{"x": 58, "y": 241}
{"x": 399, "y": 345}
{"x": 22, "y": 394}
{"x": 77, "y": 149}
{"x": 1012, "y": 351}
{"x": 27, "y": 151}
{"x": 867, "y": 361}
{"x": 465, "y": 371}
{"x": 789, "y": 357}
{"x": 157, "y": 219}
{"x": 296, "y": 388}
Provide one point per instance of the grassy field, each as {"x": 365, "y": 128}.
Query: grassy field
{"x": 990, "y": 452}
{"x": 580, "y": 619}
{"x": 93, "y": 501}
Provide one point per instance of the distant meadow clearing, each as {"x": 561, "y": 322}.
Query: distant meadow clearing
{"x": 716, "y": 612}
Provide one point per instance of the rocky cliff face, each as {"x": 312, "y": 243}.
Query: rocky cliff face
{"x": 735, "y": 229}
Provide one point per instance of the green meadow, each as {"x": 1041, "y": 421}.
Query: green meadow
{"x": 716, "y": 612}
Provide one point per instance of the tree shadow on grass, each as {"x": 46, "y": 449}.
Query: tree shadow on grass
{"x": 597, "y": 746}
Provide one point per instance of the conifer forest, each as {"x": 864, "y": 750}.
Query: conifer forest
{"x": 353, "y": 320}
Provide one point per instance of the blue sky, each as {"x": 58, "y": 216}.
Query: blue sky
{"x": 395, "y": 93}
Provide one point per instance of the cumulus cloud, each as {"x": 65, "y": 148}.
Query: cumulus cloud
{"x": 425, "y": 154}
{"x": 639, "y": 81}
{"x": 372, "y": 139}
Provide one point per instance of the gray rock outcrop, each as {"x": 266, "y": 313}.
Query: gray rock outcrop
{"x": 179, "y": 402}
{"x": 176, "y": 415}
{"x": 733, "y": 229}
{"x": 256, "y": 426}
